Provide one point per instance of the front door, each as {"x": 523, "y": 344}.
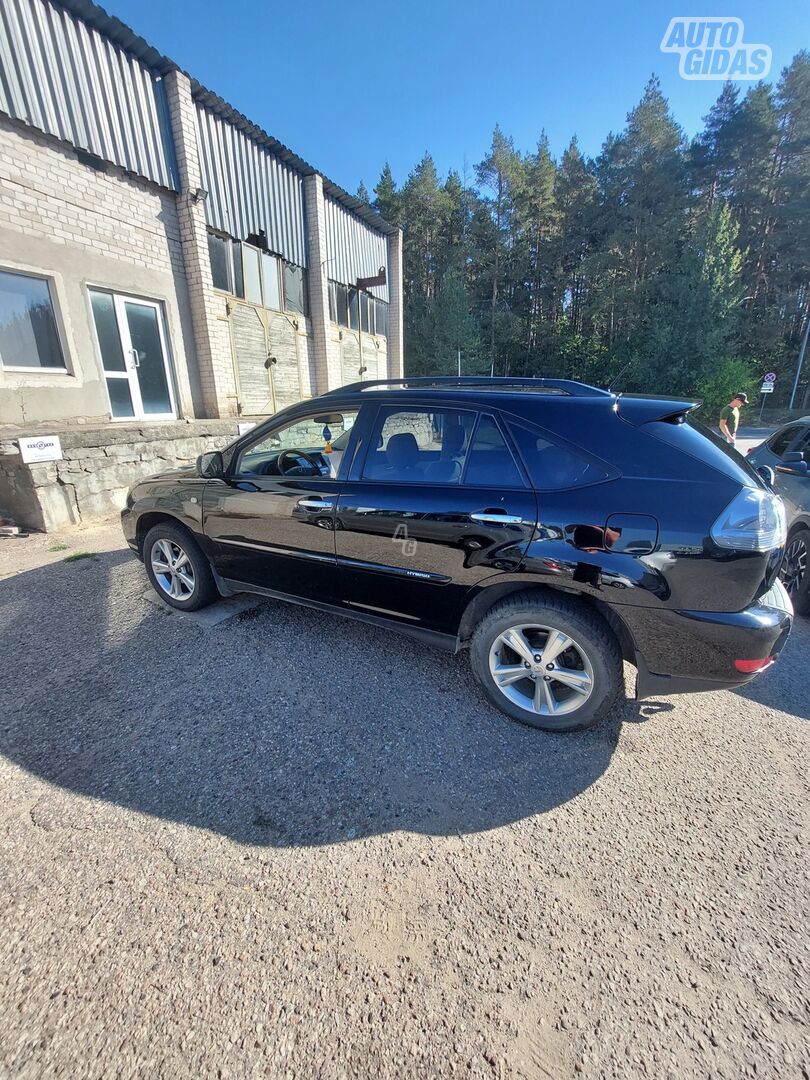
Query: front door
{"x": 270, "y": 522}
{"x": 438, "y": 504}
{"x": 132, "y": 343}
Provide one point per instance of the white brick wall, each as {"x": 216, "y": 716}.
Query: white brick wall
{"x": 47, "y": 192}
{"x": 79, "y": 227}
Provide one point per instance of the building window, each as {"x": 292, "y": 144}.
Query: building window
{"x": 346, "y": 306}
{"x": 354, "y": 307}
{"x": 381, "y": 318}
{"x": 341, "y": 304}
{"x": 256, "y": 275}
{"x": 251, "y": 268}
{"x": 219, "y": 252}
{"x": 295, "y": 289}
{"x": 28, "y": 335}
{"x": 238, "y": 276}
{"x": 271, "y": 287}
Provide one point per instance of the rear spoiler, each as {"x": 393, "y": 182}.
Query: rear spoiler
{"x": 644, "y": 410}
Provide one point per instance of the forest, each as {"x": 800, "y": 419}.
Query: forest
{"x": 663, "y": 265}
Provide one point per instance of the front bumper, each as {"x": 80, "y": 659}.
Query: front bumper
{"x": 681, "y": 652}
{"x": 129, "y": 527}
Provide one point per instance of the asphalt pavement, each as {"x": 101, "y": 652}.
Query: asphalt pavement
{"x": 295, "y": 846}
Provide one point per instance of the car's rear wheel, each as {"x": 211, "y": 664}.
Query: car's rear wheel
{"x": 547, "y": 661}
{"x": 178, "y": 570}
{"x": 795, "y": 570}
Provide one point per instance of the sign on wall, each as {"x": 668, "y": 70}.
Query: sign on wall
{"x": 41, "y": 448}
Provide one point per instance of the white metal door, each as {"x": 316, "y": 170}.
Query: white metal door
{"x": 132, "y": 343}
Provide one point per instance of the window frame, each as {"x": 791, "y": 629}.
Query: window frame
{"x": 56, "y": 312}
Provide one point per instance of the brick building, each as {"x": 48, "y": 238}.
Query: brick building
{"x": 167, "y": 269}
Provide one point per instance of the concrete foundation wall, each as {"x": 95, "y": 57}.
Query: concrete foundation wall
{"x": 99, "y": 465}
{"x": 80, "y": 227}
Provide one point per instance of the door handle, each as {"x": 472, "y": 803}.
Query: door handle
{"x": 316, "y": 503}
{"x": 496, "y": 517}
{"x": 136, "y": 361}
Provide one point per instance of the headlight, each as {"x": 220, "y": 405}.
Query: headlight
{"x": 754, "y": 520}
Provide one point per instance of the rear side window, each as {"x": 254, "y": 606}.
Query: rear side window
{"x": 552, "y": 465}
{"x": 490, "y": 462}
{"x": 782, "y": 440}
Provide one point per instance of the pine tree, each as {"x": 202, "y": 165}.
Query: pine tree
{"x": 387, "y": 200}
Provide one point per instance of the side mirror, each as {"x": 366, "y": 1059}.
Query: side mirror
{"x": 211, "y": 466}
{"x": 793, "y": 457}
{"x": 767, "y": 474}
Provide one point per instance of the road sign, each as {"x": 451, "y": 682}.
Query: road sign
{"x": 766, "y": 388}
{"x": 770, "y": 377}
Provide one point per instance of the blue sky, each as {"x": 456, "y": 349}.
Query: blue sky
{"x": 350, "y": 85}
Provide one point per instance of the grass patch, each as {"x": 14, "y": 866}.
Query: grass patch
{"x": 58, "y": 547}
{"x": 79, "y": 555}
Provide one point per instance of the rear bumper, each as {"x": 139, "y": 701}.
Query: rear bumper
{"x": 681, "y": 652}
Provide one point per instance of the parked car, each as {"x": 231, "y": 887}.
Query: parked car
{"x": 552, "y": 528}
{"x": 787, "y": 452}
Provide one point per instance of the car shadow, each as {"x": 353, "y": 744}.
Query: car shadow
{"x": 283, "y": 726}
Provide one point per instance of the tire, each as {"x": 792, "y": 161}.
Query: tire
{"x": 184, "y": 590}
{"x": 795, "y": 570}
{"x": 592, "y": 660}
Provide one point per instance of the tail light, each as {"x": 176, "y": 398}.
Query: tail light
{"x": 754, "y": 520}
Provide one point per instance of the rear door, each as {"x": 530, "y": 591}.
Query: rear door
{"x": 434, "y": 502}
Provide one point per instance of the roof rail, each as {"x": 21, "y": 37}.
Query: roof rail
{"x": 564, "y": 386}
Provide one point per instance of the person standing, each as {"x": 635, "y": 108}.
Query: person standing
{"x": 730, "y": 418}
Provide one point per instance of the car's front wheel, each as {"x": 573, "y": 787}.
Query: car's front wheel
{"x": 177, "y": 568}
{"x": 795, "y": 571}
{"x": 547, "y": 661}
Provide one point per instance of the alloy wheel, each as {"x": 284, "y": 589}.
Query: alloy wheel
{"x": 173, "y": 570}
{"x": 541, "y": 669}
{"x": 794, "y": 565}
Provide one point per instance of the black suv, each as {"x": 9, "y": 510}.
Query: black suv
{"x": 554, "y": 528}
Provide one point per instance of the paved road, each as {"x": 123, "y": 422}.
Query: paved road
{"x": 295, "y": 846}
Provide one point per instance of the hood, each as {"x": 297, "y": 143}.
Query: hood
{"x": 183, "y": 472}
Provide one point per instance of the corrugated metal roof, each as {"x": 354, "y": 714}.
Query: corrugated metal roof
{"x": 64, "y": 77}
{"x": 250, "y": 189}
{"x": 353, "y": 249}
{"x": 136, "y": 46}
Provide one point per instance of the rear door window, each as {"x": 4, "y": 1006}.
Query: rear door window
{"x": 419, "y": 446}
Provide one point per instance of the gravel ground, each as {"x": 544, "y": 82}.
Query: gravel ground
{"x": 295, "y": 846}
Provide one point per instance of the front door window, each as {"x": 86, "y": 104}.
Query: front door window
{"x": 132, "y": 343}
